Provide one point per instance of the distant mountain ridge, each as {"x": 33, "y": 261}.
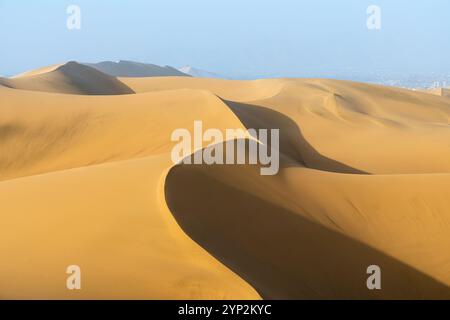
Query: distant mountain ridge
{"x": 199, "y": 73}
{"x": 124, "y": 68}
{"x": 70, "y": 78}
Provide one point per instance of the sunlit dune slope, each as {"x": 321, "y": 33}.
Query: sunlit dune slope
{"x": 39, "y": 71}
{"x": 233, "y": 90}
{"x": 364, "y": 180}
{"x": 112, "y": 221}
{"x": 42, "y": 132}
{"x": 124, "y": 68}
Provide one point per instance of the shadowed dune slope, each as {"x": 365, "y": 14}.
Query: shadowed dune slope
{"x": 71, "y": 78}
{"x": 43, "y": 132}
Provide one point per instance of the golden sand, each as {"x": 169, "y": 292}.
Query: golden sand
{"x": 87, "y": 179}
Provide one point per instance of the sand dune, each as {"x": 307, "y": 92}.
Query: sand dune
{"x": 112, "y": 221}
{"x": 72, "y": 78}
{"x": 69, "y": 131}
{"x": 364, "y": 180}
{"x": 371, "y": 128}
{"x": 135, "y": 69}
{"x": 443, "y": 92}
{"x": 39, "y": 71}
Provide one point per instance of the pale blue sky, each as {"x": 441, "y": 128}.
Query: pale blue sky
{"x": 241, "y": 38}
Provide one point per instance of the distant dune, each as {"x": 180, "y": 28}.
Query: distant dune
{"x": 88, "y": 180}
{"x": 135, "y": 69}
{"x": 71, "y": 77}
{"x": 443, "y": 92}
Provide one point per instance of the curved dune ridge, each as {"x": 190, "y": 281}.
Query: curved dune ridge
{"x": 68, "y": 78}
{"x": 88, "y": 180}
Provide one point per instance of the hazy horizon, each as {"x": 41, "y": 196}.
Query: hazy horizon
{"x": 241, "y": 40}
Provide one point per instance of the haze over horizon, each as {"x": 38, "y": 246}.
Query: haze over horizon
{"x": 241, "y": 40}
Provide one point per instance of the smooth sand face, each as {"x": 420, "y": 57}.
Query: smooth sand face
{"x": 135, "y": 69}
{"x": 39, "y": 71}
{"x": 88, "y": 180}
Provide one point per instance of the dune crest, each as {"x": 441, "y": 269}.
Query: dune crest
{"x": 443, "y": 92}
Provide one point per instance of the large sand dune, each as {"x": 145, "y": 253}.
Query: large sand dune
{"x": 71, "y": 77}
{"x": 124, "y": 68}
{"x": 88, "y": 180}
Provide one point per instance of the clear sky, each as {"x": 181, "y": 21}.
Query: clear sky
{"x": 246, "y": 38}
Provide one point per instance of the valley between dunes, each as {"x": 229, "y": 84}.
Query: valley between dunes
{"x": 86, "y": 179}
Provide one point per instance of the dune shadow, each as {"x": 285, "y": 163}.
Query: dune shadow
{"x": 292, "y": 142}
{"x": 279, "y": 252}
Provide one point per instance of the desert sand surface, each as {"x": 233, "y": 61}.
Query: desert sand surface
{"x": 88, "y": 180}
